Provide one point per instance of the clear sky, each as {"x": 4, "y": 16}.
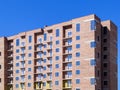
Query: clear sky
{"x": 22, "y": 15}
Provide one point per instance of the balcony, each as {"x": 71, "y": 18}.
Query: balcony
{"x": 49, "y": 41}
{"x": 49, "y": 48}
{"x": 23, "y": 73}
{"x": 10, "y": 82}
{"x": 49, "y": 85}
{"x": 22, "y": 45}
{"x": 10, "y": 56}
{"x": 38, "y": 65}
{"x": 49, "y": 63}
{"x": 38, "y": 86}
{"x": 50, "y": 71}
{"x": 38, "y": 51}
{"x": 10, "y": 62}
{"x": 39, "y": 43}
{"x": 22, "y": 81}
{"x": 10, "y": 76}
{"x": 67, "y": 75}
{"x": 38, "y": 72}
{"x": 22, "y": 86}
{"x": 10, "y": 69}
{"x": 38, "y": 79}
{"x": 22, "y": 66}
{"x": 67, "y": 84}
{"x": 67, "y": 69}
{"x": 10, "y": 48}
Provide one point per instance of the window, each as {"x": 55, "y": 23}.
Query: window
{"x": 57, "y": 57}
{"x": 105, "y": 30}
{"x": 92, "y": 62}
{"x": 17, "y": 78}
{"x": 105, "y": 65}
{"x": 45, "y": 45}
{"x": 44, "y": 68}
{"x": 30, "y": 39}
{"x": 17, "y": 57}
{"x": 45, "y": 37}
{"x": 29, "y": 84}
{"x": 98, "y": 73}
{"x": 44, "y": 83}
{"x": 17, "y": 85}
{"x": 77, "y": 81}
{"x": 105, "y": 56}
{"x": 69, "y": 65}
{"x": 57, "y": 49}
{"x": 17, "y": 42}
{"x": 93, "y": 25}
{"x": 98, "y": 55}
{"x": 69, "y": 34}
{"x": 77, "y": 72}
{"x": 105, "y": 40}
{"x": 98, "y": 38}
{"x": 30, "y": 47}
{"x": 78, "y": 54}
{"x": 29, "y": 76}
{"x": 57, "y": 32}
{"x": 17, "y": 64}
{"x": 77, "y": 88}
{"x": 57, "y": 74}
{"x": 93, "y": 44}
{"x": 105, "y": 74}
{"x": 29, "y": 69}
{"x": 105, "y": 48}
{"x": 77, "y": 37}
{"x": 93, "y": 81}
{"x": 29, "y": 55}
{"x": 57, "y": 66}
{"x": 17, "y": 50}
{"x": 29, "y": 62}
{"x": 44, "y": 60}
{"x": 17, "y": 71}
{"x": 44, "y": 76}
{"x": 40, "y": 40}
{"x": 105, "y": 82}
{"x": 56, "y": 82}
{"x": 57, "y": 42}
{"x": 77, "y": 27}
{"x": 77, "y": 63}
{"x": 77, "y": 45}
{"x": 44, "y": 53}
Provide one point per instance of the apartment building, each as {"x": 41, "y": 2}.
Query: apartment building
{"x": 79, "y": 54}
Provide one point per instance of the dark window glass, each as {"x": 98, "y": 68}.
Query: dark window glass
{"x": 17, "y": 42}
{"x": 93, "y": 25}
{"x": 105, "y": 65}
{"x": 57, "y": 32}
{"x": 105, "y": 82}
{"x": 105, "y": 56}
{"x": 105, "y": 48}
{"x": 0, "y": 53}
{"x": 30, "y": 39}
{"x": 45, "y": 37}
{"x": 105, "y": 40}
{"x": 98, "y": 38}
{"x": 77, "y": 27}
{"x": 105, "y": 74}
{"x": 105, "y": 30}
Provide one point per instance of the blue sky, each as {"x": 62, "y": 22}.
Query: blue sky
{"x": 22, "y": 15}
